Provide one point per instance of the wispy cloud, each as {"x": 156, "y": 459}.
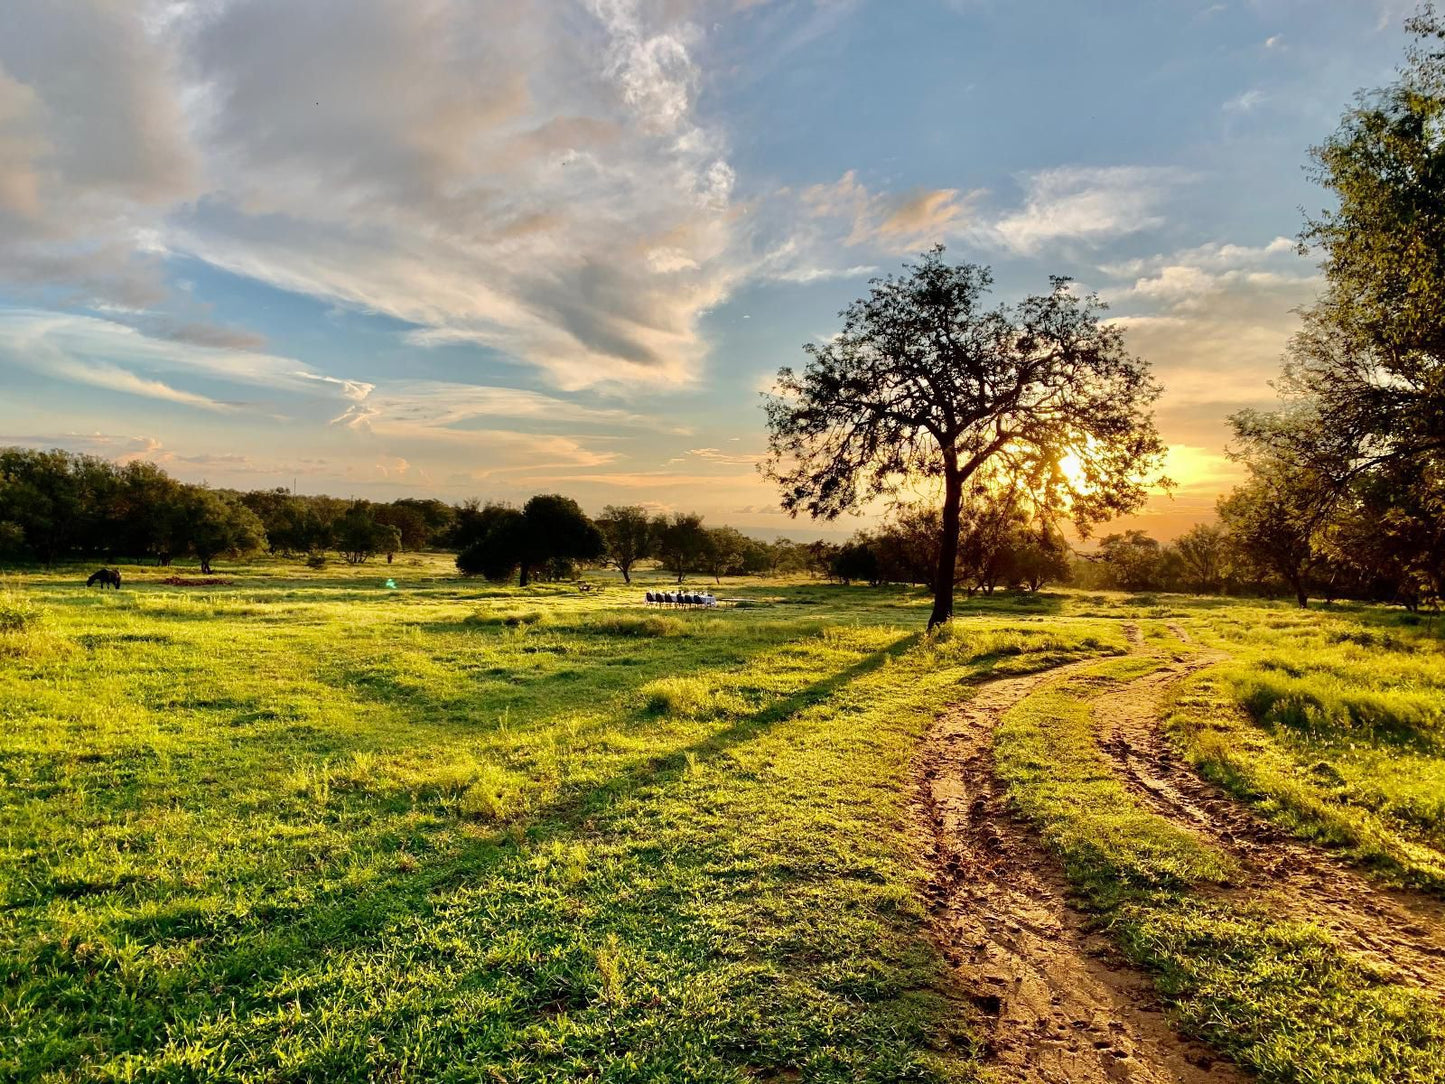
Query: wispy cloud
{"x": 105, "y": 353}
{"x": 1086, "y": 204}
{"x": 891, "y": 221}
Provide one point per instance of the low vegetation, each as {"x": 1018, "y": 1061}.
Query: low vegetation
{"x": 1335, "y": 725}
{"x": 1277, "y": 994}
{"x": 311, "y": 824}
{"x": 308, "y": 825}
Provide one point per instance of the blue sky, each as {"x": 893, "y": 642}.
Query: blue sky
{"x": 494, "y": 248}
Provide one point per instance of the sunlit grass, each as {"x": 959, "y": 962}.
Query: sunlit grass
{"x": 309, "y": 826}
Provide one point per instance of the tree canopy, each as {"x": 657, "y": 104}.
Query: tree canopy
{"x": 924, "y": 381}
{"x": 547, "y": 531}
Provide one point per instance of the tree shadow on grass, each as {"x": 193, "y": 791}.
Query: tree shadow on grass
{"x": 661, "y": 769}
{"x": 245, "y": 953}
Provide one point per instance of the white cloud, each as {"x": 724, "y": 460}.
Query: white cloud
{"x": 528, "y": 177}
{"x": 1186, "y": 280}
{"x": 1246, "y": 102}
{"x": 891, "y": 221}
{"x": 104, "y": 353}
{"x": 1085, "y": 204}
{"x": 93, "y": 146}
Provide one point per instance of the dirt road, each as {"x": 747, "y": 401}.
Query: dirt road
{"x": 1062, "y": 1005}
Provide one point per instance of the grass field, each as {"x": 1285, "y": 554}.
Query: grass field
{"x": 306, "y": 825}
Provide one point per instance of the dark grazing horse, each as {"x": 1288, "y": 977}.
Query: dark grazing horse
{"x": 105, "y": 577}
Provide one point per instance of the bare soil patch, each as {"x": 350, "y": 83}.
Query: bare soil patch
{"x": 1401, "y": 931}
{"x": 1061, "y": 1005}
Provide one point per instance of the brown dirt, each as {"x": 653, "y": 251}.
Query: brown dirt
{"x": 1400, "y": 931}
{"x": 1062, "y": 1007}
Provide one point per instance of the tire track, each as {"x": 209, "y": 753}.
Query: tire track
{"x": 1062, "y": 1006}
{"x": 1402, "y": 932}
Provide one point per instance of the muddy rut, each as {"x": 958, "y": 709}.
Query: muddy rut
{"x": 1062, "y": 1004}
{"x": 1400, "y": 931}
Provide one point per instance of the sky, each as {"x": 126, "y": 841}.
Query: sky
{"x": 490, "y": 248}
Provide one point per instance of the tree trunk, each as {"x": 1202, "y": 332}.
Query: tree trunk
{"x": 205, "y": 566}
{"x": 947, "y": 548}
{"x": 626, "y": 573}
{"x": 525, "y": 576}
{"x": 1300, "y": 594}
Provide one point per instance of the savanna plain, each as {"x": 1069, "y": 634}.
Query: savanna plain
{"x": 307, "y": 825}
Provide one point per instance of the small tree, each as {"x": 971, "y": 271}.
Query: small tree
{"x": 1041, "y": 557}
{"x": 214, "y": 525}
{"x": 1132, "y": 559}
{"x": 629, "y": 535}
{"x": 1201, "y": 551}
{"x": 493, "y": 543}
{"x": 359, "y": 536}
{"x": 924, "y": 381}
{"x": 557, "y": 530}
{"x": 726, "y": 551}
{"x": 1271, "y": 525}
{"x": 856, "y": 560}
{"x": 681, "y": 543}
{"x": 550, "y": 531}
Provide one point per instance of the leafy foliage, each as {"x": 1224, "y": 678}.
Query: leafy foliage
{"x": 924, "y": 381}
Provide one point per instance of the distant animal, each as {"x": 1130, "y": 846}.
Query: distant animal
{"x": 105, "y": 577}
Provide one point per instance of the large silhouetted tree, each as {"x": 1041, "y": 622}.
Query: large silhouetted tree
{"x": 924, "y": 381}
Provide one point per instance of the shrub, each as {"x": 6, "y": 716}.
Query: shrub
{"x": 496, "y": 794}
{"x": 688, "y": 698}
{"x": 18, "y": 613}
{"x": 512, "y": 619}
{"x": 650, "y": 625}
{"x": 316, "y": 561}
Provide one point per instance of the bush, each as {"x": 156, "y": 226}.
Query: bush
{"x": 496, "y": 794}
{"x": 18, "y": 613}
{"x": 651, "y": 625}
{"x": 512, "y": 619}
{"x": 316, "y": 561}
{"x": 688, "y": 698}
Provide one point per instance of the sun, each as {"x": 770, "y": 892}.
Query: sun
{"x": 1071, "y": 466}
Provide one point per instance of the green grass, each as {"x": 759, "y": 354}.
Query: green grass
{"x": 306, "y": 826}
{"x": 1333, "y": 723}
{"x": 1278, "y": 996}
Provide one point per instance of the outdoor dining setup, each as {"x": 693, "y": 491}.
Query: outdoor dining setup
{"x": 681, "y": 599}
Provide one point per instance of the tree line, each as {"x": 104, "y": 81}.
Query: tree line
{"x": 1345, "y": 493}
{"x": 59, "y": 506}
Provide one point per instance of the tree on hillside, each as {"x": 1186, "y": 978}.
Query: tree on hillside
{"x": 681, "y": 542}
{"x": 924, "y": 381}
{"x": 549, "y": 531}
{"x": 629, "y": 534}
